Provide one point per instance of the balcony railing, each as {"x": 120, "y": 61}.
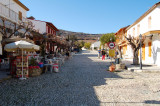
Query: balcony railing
{"x": 10, "y": 14}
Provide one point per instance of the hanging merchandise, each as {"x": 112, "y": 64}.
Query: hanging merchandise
{"x": 22, "y": 66}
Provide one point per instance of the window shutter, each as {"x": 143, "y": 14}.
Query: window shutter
{"x": 20, "y": 15}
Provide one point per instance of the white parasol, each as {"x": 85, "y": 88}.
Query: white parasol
{"x": 23, "y": 45}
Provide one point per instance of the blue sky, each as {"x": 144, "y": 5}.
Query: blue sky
{"x": 88, "y": 16}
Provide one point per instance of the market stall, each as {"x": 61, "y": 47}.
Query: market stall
{"x": 22, "y": 60}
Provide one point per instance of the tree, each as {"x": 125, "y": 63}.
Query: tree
{"x": 27, "y": 27}
{"x": 42, "y": 50}
{"x": 81, "y": 44}
{"x": 9, "y": 29}
{"x": 87, "y": 45}
{"x": 107, "y": 38}
{"x": 73, "y": 38}
{"x": 110, "y": 37}
{"x": 135, "y": 45}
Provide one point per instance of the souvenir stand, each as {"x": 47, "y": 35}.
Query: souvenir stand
{"x": 22, "y": 59}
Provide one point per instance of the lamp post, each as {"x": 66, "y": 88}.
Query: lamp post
{"x": 111, "y": 41}
{"x": 140, "y": 37}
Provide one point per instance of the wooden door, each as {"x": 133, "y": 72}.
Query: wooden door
{"x": 143, "y": 52}
{"x": 150, "y": 49}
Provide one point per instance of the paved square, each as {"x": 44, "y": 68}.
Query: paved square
{"x": 83, "y": 81}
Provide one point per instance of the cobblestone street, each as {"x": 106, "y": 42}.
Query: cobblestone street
{"x": 83, "y": 81}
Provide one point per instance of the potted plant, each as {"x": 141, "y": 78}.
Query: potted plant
{"x": 34, "y": 69}
{"x": 112, "y": 68}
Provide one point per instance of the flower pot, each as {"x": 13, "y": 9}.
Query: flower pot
{"x": 112, "y": 68}
{"x": 34, "y": 71}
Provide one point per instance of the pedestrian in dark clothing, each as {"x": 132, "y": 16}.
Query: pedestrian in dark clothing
{"x": 67, "y": 54}
{"x": 116, "y": 54}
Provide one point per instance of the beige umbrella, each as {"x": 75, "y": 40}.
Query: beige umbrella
{"x": 24, "y": 46}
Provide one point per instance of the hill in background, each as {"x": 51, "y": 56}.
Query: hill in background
{"x": 80, "y": 36}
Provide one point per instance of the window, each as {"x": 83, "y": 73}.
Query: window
{"x": 149, "y": 22}
{"x": 138, "y": 29}
{"x": 133, "y": 31}
{"x": 20, "y": 15}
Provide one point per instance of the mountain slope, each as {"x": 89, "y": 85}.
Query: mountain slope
{"x": 80, "y": 35}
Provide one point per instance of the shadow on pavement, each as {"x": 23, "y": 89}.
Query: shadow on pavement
{"x": 75, "y": 85}
{"x": 83, "y": 74}
{"x": 152, "y": 102}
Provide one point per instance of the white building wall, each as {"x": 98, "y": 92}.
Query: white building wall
{"x": 129, "y": 52}
{"x": 156, "y": 50}
{"x": 92, "y": 47}
{"x": 10, "y": 10}
{"x": 14, "y": 6}
{"x": 39, "y": 26}
{"x": 155, "y": 25}
{"x": 155, "y": 19}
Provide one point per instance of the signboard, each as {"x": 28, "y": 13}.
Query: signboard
{"x": 111, "y": 52}
{"x": 111, "y": 45}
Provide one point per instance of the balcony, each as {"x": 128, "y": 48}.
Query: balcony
{"x": 10, "y": 14}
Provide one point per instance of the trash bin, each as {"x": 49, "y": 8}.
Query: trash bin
{"x": 117, "y": 60}
{"x": 40, "y": 64}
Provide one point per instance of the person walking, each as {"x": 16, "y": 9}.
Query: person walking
{"x": 107, "y": 54}
{"x": 103, "y": 55}
{"x": 99, "y": 51}
{"x": 67, "y": 54}
{"x": 50, "y": 67}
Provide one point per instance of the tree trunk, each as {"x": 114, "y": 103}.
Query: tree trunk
{"x": 135, "y": 58}
{"x": 119, "y": 52}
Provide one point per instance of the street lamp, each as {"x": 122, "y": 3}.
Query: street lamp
{"x": 140, "y": 38}
{"x": 109, "y": 51}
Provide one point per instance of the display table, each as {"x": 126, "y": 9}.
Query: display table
{"x": 49, "y": 67}
{"x": 52, "y": 67}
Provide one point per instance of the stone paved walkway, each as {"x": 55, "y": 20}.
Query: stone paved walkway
{"x": 83, "y": 81}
